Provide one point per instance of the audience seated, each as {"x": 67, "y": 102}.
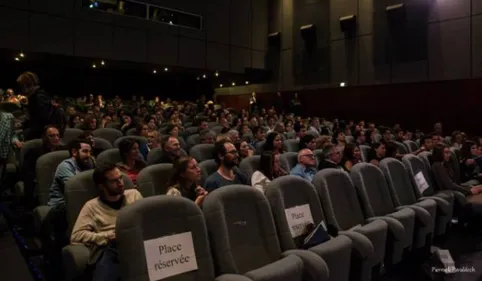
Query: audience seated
{"x": 243, "y": 149}
{"x": 184, "y": 180}
{"x": 171, "y": 149}
{"x": 306, "y": 167}
{"x": 269, "y": 169}
{"x": 332, "y": 158}
{"x": 377, "y": 153}
{"x": 95, "y": 225}
{"x": 227, "y": 158}
{"x": 131, "y": 163}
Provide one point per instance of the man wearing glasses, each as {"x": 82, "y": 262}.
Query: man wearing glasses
{"x": 227, "y": 158}
{"x": 306, "y": 167}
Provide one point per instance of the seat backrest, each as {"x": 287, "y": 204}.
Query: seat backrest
{"x": 152, "y": 180}
{"x": 131, "y": 132}
{"x": 27, "y": 147}
{"x": 249, "y": 165}
{"x": 139, "y": 237}
{"x": 411, "y": 145}
{"x": 415, "y": 166}
{"x": 155, "y": 155}
{"x": 365, "y": 150}
{"x": 202, "y": 152}
{"x": 182, "y": 143}
{"x": 102, "y": 144}
{"x": 398, "y": 180}
{"x": 113, "y": 125}
{"x": 373, "y": 190}
{"x": 71, "y": 134}
{"x": 349, "y": 139}
{"x": 212, "y": 124}
{"x": 291, "y": 145}
{"x": 290, "y": 159}
{"x": 208, "y": 167}
{"x": 78, "y": 190}
{"x": 339, "y": 198}
{"x": 45, "y": 171}
{"x": 111, "y": 156}
{"x": 241, "y": 227}
{"x": 294, "y": 204}
{"x": 192, "y": 140}
{"x": 401, "y": 149}
{"x": 109, "y": 134}
{"x": 140, "y": 140}
{"x": 320, "y": 156}
{"x": 217, "y": 129}
{"x": 259, "y": 147}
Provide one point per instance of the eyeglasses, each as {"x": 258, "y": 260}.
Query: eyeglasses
{"x": 232, "y": 152}
{"x": 312, "y": 156}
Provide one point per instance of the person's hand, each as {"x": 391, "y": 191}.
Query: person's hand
{"x": 250, "y": 153}
{"x": 200, "y": 199}
{"x": 200, "y": 191}
{"x": 18, "y": 144}
{"x": 111, "y": 236}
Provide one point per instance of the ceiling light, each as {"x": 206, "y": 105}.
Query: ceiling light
{"x": 216, "y": 74}
{"x": 17, "y": 59}
{"x": 220, "y": 85}
{"x": 247, "y": 82}
{"x": 234, "y": 84}
{"x": 94, "y": 66}
{"x": 197, "y": 78}
{"x": 22, "y": 55}
{"x": 204, "y": 75}
{"x": 154, "y": 71}
{"x": 342, "y": 84}
{"x": 166, "y": 69}
{"x": 102, "y": 62}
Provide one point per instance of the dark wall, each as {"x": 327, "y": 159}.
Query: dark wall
{"x": 434, "y": 40}
{"x": 234, "y": 36}
{"x": 455, "y": 103}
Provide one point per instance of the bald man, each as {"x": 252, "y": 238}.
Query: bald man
{"x": 306, "y": 167}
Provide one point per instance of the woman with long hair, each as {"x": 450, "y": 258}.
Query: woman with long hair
{"x": 131, "y": 162}
{"x": 351, "y": 156}
{"x": 469, "y": 170}
{"x": 269, "y": 169}
{"x": 184, "y": 178}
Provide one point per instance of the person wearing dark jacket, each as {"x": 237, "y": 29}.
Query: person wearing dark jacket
{"x": 40, "y": 109}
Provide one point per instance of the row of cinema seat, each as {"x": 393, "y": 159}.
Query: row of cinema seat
{"x": 378, "y": 214}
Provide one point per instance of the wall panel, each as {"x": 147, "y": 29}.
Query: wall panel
{"x": 443, "y": 10}
{"x": 130, "y": 44}
{"x": 240, "y": 59}
{"x": 162, "y": 49}
{"x": 18, "y": 37}
{"x": 93, "y": 40}
{"x": 344, "y": 61}
{"x": 258, "y": 59}
{"x": 259, "y": 25}
{"x": 192, "y": 53}
{"x": 217, "y": 57}
{"x": 217, "y": 22}
{"x": 21, "y": 4}
{"x": 477, "y": 46}
{"x": 50, "y": 34}
{"x": 240, "y": 23}
{"x": 55, "y": 7}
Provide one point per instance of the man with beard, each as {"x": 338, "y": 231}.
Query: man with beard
{"x": 171, "y": 150}
{"x": 226, "y": 156}
{"x": 100, "y": 237}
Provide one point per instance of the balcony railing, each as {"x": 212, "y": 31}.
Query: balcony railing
{"x": 146, "y": 11}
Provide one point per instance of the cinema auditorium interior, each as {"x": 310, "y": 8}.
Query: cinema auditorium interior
{"x": 240, "y": 140}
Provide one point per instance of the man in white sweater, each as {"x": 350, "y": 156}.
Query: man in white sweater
{"x": 95, "y": 226}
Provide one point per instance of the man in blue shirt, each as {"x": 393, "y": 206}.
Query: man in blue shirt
{"x": 306, "y": 167}
{"x": 226, "y": 156}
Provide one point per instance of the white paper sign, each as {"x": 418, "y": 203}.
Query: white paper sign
{"x": 170, "y": 255}
{"x": 298, "y": 218}
{"x": 421, "y": 182}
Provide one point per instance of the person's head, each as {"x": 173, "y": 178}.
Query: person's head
{"x": 274, "y": 142}
{"x": 340, "y": 137}
{"x": 153, "y": 139}
{"x": 441, "y": 154}
{"x": 457, "y": 137}
{"x": 80, "y": 150}
{"x": 172, "y": 130}
{"x": 352, "y": 152}
{"x": 360, "y": 137}
{"x": 87, "y": 135}
{"x": 437, "y": 127}
{"x": 225, "y": 154}
{"x": 386, "y": 134}
{"x": 306, "y": 157}
{"x": 129, "y": 150}
{"x": 28, "y": 82}
{"x": 427, "y": 142}
{"x": 185, "y": 169}
{"x": 171, "y": 146}
{"x": 233, "y": 135}
{"x": 203, "y": 125}
{"x": 142, "y": 129}
{"x": 300, "y": 129}
{"x": 126, "y": 119}
{"x": 469, "y": 150}
{"x": 308, "y": 141}
{"x": 332, "y": 153}
{"x": 269, "y": 163}
{"x": 437, "y": 139}
{"x": 109, "y": 180}
{"x": 207, "y": 136}
{"x": 90, "y": 122}
{"x": 51, "y": 136}
{"x": 400, "y": 134}
{"x": 380, "y": 149}
{"x": 242, "y": 147}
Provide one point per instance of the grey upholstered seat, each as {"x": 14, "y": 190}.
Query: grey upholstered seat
{"x": 78, "y": 190}
{"x": 411, "y": 145}
{"x": 364, "y": 149}
{"x": 207, "y": 167}
{"x": 377, "y": 203}
{"x": 291, "y": 191}
{"x": 244, "y": 240}
{"x": 401, "y": 148}
{"x": 249, "y": 165}
{"x": 192, "y": 140}
{"x": 109, "y": 134}
{"x": 259, "y": 146}
{"x": 445, "y": 200}
{"x": 109, "y": 156}
{"x": 102, "y": 144}
{"x": 71, "y": 134}
{"x": 152, "y": 180}
{"x": 155, "y": 155}
{"x": 202, "y": 152}
{"x": 289, "y": 160}
{"x": 140, "y": 140}
{"x": 402, "y": 193}
{"x": 338, "y": 197}
{"x": 291, "y": 145}
{"x": 140, "y": 222}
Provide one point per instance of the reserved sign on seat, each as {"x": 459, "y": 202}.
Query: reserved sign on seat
{"x": 298, "y": 218}
{"x": 170, "y": 255}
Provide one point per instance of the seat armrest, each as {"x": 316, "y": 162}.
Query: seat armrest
{"x": 361, "y": 244}
{"x": 75, "y": 259}
{"x": 443, "y": 206}
{"x": 19, "y": 189}
{"x": 394, "y": 227}
{"x": 422, "y": 216}
{"x": 40, "y": 218}
{"x": 232, "y": 277}
{"x": 315, "y": 267}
